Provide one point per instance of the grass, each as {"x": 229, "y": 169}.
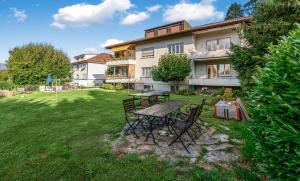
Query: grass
{"x": 64, "y": 140}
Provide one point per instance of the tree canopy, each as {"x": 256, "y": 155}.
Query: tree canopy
{"x": 30, "y": 64}
{"x": 271, "y": 20}
{"x": 172, "y": 68}
{"x": 234, "y": 11}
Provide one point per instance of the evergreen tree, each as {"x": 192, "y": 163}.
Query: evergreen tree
{"x": 234, "y": 11}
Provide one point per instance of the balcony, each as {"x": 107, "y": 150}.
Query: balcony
{"x": 220, "y": 81}
{"x": 204, "y": 54}
{"x": 128, "y": 60}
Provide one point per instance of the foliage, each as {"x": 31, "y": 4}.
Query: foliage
{"x": 119, "y": 86}
{"x": 110, "y": 71}
{"x": 228, "y": 95}
{"x": 271, "y": 20}
{"x": 237, "y": 93}
{"x": 6, "y": 85}
{"x": 275, "y": 110}
{"x": 234, "y": 11}
{"x": 3, "y": 75}
{"x": 218, "y": 91}
{"x": 107, "y": 86}
{"x": 31, "y": 63}
{"x": 172, "y": 68}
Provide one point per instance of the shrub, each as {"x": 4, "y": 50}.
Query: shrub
{"x": 218, "y": 92}
{"x": 6, "y": 85}
{"x": 275, "y": 110}
{"x": 228, "y": 95}
{"x": 107, "y": 86}
{"x": 119, "y": 86}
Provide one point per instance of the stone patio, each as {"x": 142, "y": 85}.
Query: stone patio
{"x": 211, "y": 149}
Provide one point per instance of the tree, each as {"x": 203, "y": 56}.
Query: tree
{"x": 3, "y": 75}
{"x": 234, "y": 11}
{"x": 172, "y": 68}
{"x": 271, "y": 20}
{"x": 275, "y": 110}
{"x": 31, "y": 63}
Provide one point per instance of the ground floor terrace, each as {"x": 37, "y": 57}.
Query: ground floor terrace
{"x": 75, "y": 136}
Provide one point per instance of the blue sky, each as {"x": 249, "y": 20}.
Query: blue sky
{"x": 83, "y": 26}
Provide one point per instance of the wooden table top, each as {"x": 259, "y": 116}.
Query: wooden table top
{"x": 161, "y": 110}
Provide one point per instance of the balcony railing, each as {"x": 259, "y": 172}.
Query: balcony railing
{"x": 130, "y": 57}
{"x": 218, "y": 81}
{"x": 119, "y": 76}
{"x": 201, "y": 54}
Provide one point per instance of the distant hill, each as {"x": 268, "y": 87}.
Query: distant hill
{"x": 2, "y": 66}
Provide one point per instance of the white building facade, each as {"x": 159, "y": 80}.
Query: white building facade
{"x": 207, "y": 47}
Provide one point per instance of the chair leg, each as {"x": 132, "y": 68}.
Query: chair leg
{"x": 191, "y": 136}
{"x": 179, "y": 138}
{"x": 131, "y": 128}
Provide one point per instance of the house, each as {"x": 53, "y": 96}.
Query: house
{"x": 207, "y": 47}
{"x": 89, "y": 69}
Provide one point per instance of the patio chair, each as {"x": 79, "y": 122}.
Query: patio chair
{"x": 132, "y": 121}
{"x": 185, "y": 126}
{"x": 154, "y": 100}
{"x": 145, "y": 103}
{"x": 185, "y": 115}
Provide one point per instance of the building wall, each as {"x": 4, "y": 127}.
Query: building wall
{"x": 201, "y": 39}
{"x": 160, "y": 48}
{"x": 80, "y": 70}
{"x": 96, "y": 71}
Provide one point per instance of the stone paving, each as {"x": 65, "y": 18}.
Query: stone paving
{"x": 211, "y": 149}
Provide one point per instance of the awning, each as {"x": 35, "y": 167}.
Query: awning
{"x": 121, "y": 48}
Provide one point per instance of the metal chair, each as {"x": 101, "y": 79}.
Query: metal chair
{"x": 184, "y": 115}
{"x": 133, "y": 122}
{"x": 154, "y": 100}
{"x": 184, "y": 126}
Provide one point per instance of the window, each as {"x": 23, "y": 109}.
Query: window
{"x": 175, "y": 48}
{"x": 219, "y": 44}
{"x": 147, "y": 71}
{"x": 148, "y": 52}
{"x": 224, "y": 70}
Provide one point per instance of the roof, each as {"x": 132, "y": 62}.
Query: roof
{"x": 186, "y": 32}
{"x": 99, "y": 59}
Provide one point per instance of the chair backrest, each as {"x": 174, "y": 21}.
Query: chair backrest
{"x": 153, "y": 100}
{"x": 128, "y": 105}
{"x": 145, "y": 103}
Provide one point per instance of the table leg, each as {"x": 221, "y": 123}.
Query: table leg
{"x": 150, "y": 130}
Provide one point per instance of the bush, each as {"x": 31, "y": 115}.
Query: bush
{"x": 119, "y": 86}
{"x": 218, "y": 92}
{"x": 275, "y": 110}
{"x": 107, "y": 86}
{"x": 228, "y": 95}
{"x": 6, "y": 85}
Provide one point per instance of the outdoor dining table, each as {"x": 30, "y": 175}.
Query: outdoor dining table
{"x": 159, "y": 111}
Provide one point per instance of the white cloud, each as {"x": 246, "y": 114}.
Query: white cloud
{"x": 82, "y": 15}
{"x": 19, "y": 14}
{"x": 90, "y": 50}
{"x": 154, "y": 8}
{"x": 135, "y": 18}
{"x": 192, "y": 11}
{"x": 111, "y": 42}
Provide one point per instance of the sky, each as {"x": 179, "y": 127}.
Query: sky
{"x": 87, "y": 26}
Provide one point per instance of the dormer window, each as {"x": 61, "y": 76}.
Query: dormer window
{"x": 218, "y": 44}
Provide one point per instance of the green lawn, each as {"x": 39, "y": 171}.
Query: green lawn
{"x": 41, "y": 139}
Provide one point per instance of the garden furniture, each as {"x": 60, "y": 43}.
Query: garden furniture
{"x": 159, "y": 112}
{"x": 184, "y": 126}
